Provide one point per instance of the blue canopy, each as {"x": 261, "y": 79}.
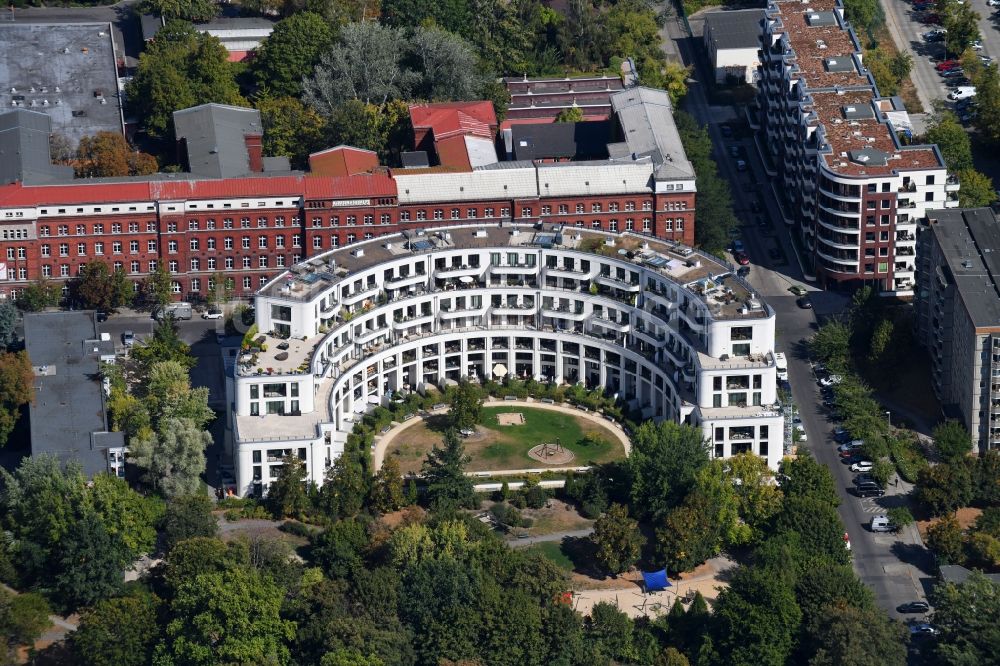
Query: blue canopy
{"x": 655, "y": 580}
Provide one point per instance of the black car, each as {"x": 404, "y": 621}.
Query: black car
{"x": 804, "y": 302}
{"x": 869, "y": 490}
{"x": 727, "y": 131}
{"x": 102, "y": 316}
{"x": 853, "y": 458}
{"x": 914, "y": 607}
{"x": 864, "y": 477}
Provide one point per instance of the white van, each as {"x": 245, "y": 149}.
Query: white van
{"x": 962, "y": 92}
{"x": 781, "y": 363}
{"x": 881, "y": 524}
{"x": 179, "y": 310}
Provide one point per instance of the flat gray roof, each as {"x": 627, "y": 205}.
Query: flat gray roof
{"x": 24, "y": 149}
{"x": 58, "y": 69}
{"x": 734, "y": 30}
{"x": 969, "y": 239}
{"x": 647, "y": 122}
{"x": 68, "y": 417}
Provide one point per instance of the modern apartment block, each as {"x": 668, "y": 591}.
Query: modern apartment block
{"x": 958, "y": 315}
{"x": 831, "y": 144}
{"x": 241, "y": 216}
{"x": 674, "y": 332}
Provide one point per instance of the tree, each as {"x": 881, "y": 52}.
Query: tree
{"x": 946, "y": 539}
{"x": 94, "y": 286}
{"x": 865, "y": 14}
{"x": 818, "y": 526}
{"x": 231, "y": 616}
{"x": 987, "y": 121}
{"x": 107, "y": 154}
{"x": 168, "y": 393}
{"x": 339, "y": 549}
{"x": 671, "y": 657}
{"x": 962, "y": 24}
{"x": 573, "y": 114}
{"x": 466, "y": 407}
{"x": 364, "y": 64}
{"x": 443, "y": 66}
{"x": 674, "y": 81}
{"x": 951, "y": 139}
{"x": 90, "y": 566}
{"x": 126, "y": 514}
{"x": 757, "y": 498}
{"x": 290, "y": 128}
{"x": 187, "y": 517}
{"x": 197, "y": 555}
{"x": 691, "y": 532}
{"x": 387, "y": 488}
{"x": 173, "y": 459}
{"x": 664, "y": 460}
{"x": 951, "y": 440}
{"x": 118, "y": 632}
{"x": 343, "y": 492}
{"x": 8, "y": 323}
{"x": 497, "y": 32}
{"x": 802, "y": 476}
{"x": 889, "y": 71}
{"x": 943, "y": 488}
{"x": 444, "y": 475}
{"x": 178, "y": 69}
{"x": 290, "y": 53}
{"x": 757, "y": 618}
{"x": 617, "y": 540}
{"x": 185, "y": 10}
{"x": 17, "y": 388}
{"x": 977, "y": 189}
{"x": 844, "y": 635}
{"x": 287, "y": 495}
{"x": 23, "y": 618}
{"x": 880, "y": 346}
{"x": 38, "y": 295}
{"x": 832, "y": 343}
{"x": 452, "y": 15}
{"x": 158, "y": 288}
{"x": 966, "y": 615}
{"x": 610, "y": 631}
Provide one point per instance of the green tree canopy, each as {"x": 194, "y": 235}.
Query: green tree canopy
{"x": 290, "y": 128}
{"x": 665, "y": 458}
{"x": 173, "y": 459}
{"x": 976, "y": 189}
{"x": 756, "y": 619}
{"x": 118, "y": 632}
{"x": 107, "y": 154}
{"x": 802, "y": 476}
{"x": 845, "y": 635}
{"x": 444, "y": 475}
{"x": 952, "y": 140}
{"x": 90, "y": 565}
{"x": 288, "y": 493}
{"x": 23, "y": 618}
{"x": 178, "y": 69}
{"x": 290, "y": 53}
{"x": 187, "y": 517}
{"x": 17, "y": 389}
{"x": 952, "y": 440}
{"x": 466, "y": 406}
{"x": 38, "y": 295}
{"x": 185, "y": 10}
{"x": 966, "y": 615}
{"x": 617, "y": 539}
{"x": 387, "y": 488}
{"x": 8, "y": 323}
{"x": 573, "y": 114}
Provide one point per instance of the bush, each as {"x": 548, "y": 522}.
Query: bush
{"x": 535, "y": 496}
{"x": 296, "y": 528}
{"x": 908, "y": 458}
{"x": 900, "y": 516}
{"x": 232, "y": 515}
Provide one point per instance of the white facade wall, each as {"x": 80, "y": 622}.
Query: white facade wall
{"x": 645, "y": 336}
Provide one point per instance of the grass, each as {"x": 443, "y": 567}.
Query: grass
{"x": 907, "y": 90}
{"x": 552, "y": 550}
{"x": 496, "y": 447}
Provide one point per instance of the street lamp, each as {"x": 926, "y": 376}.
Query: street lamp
{"x": 888, "y": 417}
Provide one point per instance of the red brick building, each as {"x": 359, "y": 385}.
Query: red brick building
{"x": 247, "y": 228}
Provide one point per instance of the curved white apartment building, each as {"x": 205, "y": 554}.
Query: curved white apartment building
{"x": 672, "y": 331}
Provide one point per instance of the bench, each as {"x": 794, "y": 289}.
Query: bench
{"x": 510, "y": 398}
{"x": 548, "y": 401}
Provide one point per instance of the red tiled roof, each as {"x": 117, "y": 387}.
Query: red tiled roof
{"x": 451, "y": 118}
{"x": 346, "y": 187}
{"x": 227, "y": 187}
{"x": 17, "y": 194}
{"x": 453, "y": 152}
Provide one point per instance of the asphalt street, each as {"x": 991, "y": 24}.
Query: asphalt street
{"x": 896, "y": 567}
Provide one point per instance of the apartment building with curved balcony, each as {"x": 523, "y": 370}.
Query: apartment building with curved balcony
{"x": 673, "y": 332}
{"x": 850, "y": 187}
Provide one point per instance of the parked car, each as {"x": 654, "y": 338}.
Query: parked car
{"x": 101, "y": 316}
{"x": 953, "y": 73}
{"x": 935, "y": 35}
{"x": 741, "y": 165}
{"x": 734, "y": 151}
{"x": 916, "y": 606}
{"x": 212, "y": 313}
{"x": 852, "y": 445}
{"x": 869, "y": 490}
{"x": 832, "y": 380}
{"x": 962, "y": 92}
{"x": 947, "y": 64}
{"x": 977, "y": 45}
{"x": 840, "y": 434}
{"x": 802, "y": 433}
{"x": 923, "y": 630}
{"x": 865, "y": 477}
{"x": 128, "y": 338}
{"x": 853, "y": 458}
{"x": 881, "y": 523}
{"x": 804, "y": 302}
{"x": 727, "y": 131}
{"x": 741, "y": 259}
{"x": 862, "y": 466}
{"x": 932, "y": 19}
{"x": 738, "y": 246}
{"x": 743, "y": 271}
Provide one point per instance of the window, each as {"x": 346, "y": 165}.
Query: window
{"x": 116, "y": 247}
{"x": 133, "y": 227}
{"x": 98, "y": 248}
{"x": 296, "y": 240}
{"x": 46, "y": 250}
{"x": 930, "y": 180}
{"x": 133, "y": 267}
{"x": 385, "y": 218}
{"x": 546, "y": 210}
{"x": 404, "y": 216}
{"x": 317, "y": 221}
{"x": 279, "y": 221}
{"x": 885, "y": 203}
{"x": 280, "y": 261}
{"x": 44, "y": 231}
{"x": 63, "y": 270}
{"x": 438, "y": 214}
{"x": 227, "y": 242}
{"x": 470, "y": 213}
{"x": 262, "y": 242}
{"x": 196, "y": 264}
{"x": 647, "y": 224}
{"x": 352, "y": 220}
{"x": 210, "y": 243}
{"x": 175, "y": 287}
{"x": 262, "y": 261}
{"x": 318, "y": 242}
{"x": 150, "y": 227}
{"x": 261, "y": 221}
{"x": 613, "y": 225}
{"x": 195, "y": 284}
{"x": 246, "y": 242}
{"x": 246, "y": 262}
{"x": 172, "y": 247}
{"x": 46, "y": 270}
{"x": 151, "y": 265}
{"x": 151, "y": 246}
{"x": 211, "y": 263}
{"x": 595, "y": 208}
{"x": 596, "y": 224}
{"x": 81, "y": 249}
{"x": 246, "y": 282}
{"x": 279, "y": 241}
{"x": 613, "y": 207}
{"x": 133, "y": 246}
{"x": 63, "y": 230}
{"x": 488, "y": 212}
{"x": 193, "y": 243}
{"x": 172, "y": 266}
{"x": 229, "y": 262}
{"x": 81, "y": 229}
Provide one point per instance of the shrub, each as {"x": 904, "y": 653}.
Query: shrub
{"x": 232, "y": 515}
{"x": 296, "y": 528}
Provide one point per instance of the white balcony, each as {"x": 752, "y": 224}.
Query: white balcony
{"x": 609, "y": 281}
{"x": 358, "y": 296}
{"x": 406, "y": 281}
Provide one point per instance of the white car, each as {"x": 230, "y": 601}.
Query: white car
{"x": 977, "y": 45}
{"x": 862, "y": 466}
{"x": 212, "y": 313}
{"x": 962, "y": 92}
{"x": 832, "y": 380}
{"x": 802, "y": 433}
{"x": 993, "y": 3}
{"x": 128, "y": 338}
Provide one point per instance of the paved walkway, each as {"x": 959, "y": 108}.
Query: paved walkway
{"x": 383, "y": 441}
{"x": 555, "y": 536}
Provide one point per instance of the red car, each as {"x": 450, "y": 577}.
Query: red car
{"x": 947, "y": 64}
{"x": 742, "y": 259}
{"x": 932, "y": 19}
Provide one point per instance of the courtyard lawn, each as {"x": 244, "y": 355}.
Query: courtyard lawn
{"x": 552, "y": 550}
{"x": 496, "y": 447}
